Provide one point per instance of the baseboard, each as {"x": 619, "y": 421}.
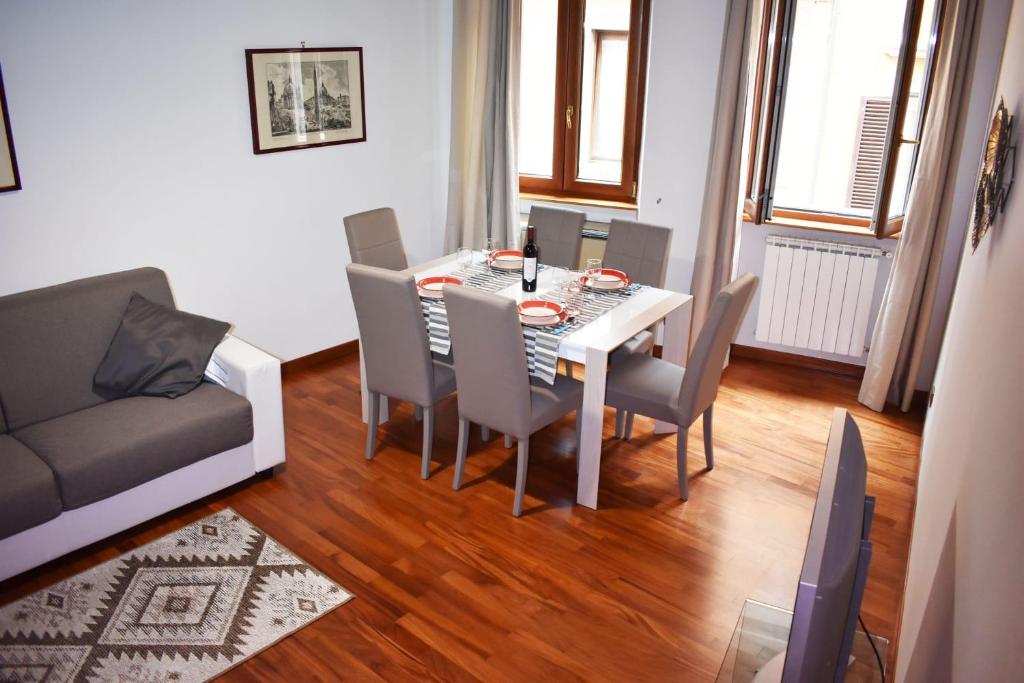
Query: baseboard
{"x": 332, "y": 353}
{"x": 796, "y": 360}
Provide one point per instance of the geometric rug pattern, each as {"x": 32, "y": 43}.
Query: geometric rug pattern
{"x": 186, "y": 607}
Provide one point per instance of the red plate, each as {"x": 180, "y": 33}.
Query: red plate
{"x": 509, "y": 259}
{"x": 620, "y": 281}
{"x": 549, "y": 321}
{"x": 535, "y": 308}
{"x": 433, "y": 287}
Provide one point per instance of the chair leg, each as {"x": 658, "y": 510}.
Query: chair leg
{"x": 681, "y": 435}
{"x": 428, "y": 441}
{"x": 620, "y": 416}
{"x": 508, "y": 441}
{"x": 460, "y": 453}
{"x": 524, "y": 458}
{"x": 371, "y": 424}
{"x": 709, "y": 454}
{"x": 485, "y": 433}
{"x": 417, "y": 412}
{"x": 629, "y": 426}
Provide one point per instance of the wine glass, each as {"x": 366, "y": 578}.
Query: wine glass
{"x": 464, "y": 257}
{"x": 491, "y": 245}
{"x": 593, "y": 270}
{"x": 573, "y": 298}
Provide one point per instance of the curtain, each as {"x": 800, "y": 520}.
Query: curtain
{"x": 897, "y": 344}
{"x": 720, "y": 214}
{"x": 483, "y": 181}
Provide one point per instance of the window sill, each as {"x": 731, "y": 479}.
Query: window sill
{"x": 820, "y": 226}
{"x": 582, "y": 201}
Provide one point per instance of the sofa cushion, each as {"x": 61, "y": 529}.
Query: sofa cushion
{"x": 52, "y": 341}
{"x": 158, "y": 351}
{"x": 28, "y": 492}
{"x": 106, "y": 449}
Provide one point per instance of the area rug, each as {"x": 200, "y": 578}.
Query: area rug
{"x": 186, "y": 607}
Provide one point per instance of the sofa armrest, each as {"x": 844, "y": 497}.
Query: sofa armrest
{"x": 256, "y": 375}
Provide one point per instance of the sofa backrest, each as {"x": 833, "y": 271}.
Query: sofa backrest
{"x": 53, "y": 339}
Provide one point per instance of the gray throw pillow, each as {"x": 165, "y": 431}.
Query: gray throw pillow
{"x": 157, "y": 351}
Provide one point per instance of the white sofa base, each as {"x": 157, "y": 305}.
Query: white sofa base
{"x": 78, "y": 528}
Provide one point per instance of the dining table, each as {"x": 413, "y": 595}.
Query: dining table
{"x": 590, "y": 345}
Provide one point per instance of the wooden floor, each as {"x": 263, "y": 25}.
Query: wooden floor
{"x": 449, "y": 586}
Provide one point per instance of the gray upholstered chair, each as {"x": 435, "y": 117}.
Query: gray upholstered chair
{"x": 396, "y": 351}
{"x": 559, "y": 235}
{"x": 641, "y": 250}
{"x": 375, "y": 240}
{"x": 665, "y": 391}
{"x": 494, "y": 383}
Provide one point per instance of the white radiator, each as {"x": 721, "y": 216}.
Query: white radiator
{"x": 816, "y": 294}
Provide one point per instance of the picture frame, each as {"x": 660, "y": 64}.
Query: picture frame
{"x": 305, "y": 97}
{"x": 997, "y": 174}
{"x": 10, "y": 179}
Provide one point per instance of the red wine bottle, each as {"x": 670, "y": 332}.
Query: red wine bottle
{"x": 530, "y": 255}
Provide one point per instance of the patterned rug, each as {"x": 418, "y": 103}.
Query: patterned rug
{"x": 186, "y": 607}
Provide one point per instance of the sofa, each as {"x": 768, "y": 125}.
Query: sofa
{"x": 76, "y": 467}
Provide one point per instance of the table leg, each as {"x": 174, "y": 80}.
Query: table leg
{"x": 364, "y": 395}
{"x": 675, "y": 348}
{"x": 589, "y": 452}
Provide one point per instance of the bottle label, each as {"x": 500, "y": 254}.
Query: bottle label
{"x": 529, "y": 269}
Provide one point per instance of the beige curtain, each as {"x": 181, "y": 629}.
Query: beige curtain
{"x": 483, "y": 182}
{"x": 897, "y": 345}
{"x": 720, "y": 214}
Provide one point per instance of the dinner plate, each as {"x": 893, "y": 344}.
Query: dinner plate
{"x": 536, "y": 308}
{"x": 433, "y": 287}
{"x": 607, "y": 279}
{"x": 546, "y": 321}
{"x": 507, "y": 259}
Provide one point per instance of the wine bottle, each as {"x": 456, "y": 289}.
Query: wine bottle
{"x": 530, "y": 255}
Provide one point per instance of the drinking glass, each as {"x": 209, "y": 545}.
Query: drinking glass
{"x": 573, "y": 298}
{"x": 593, "y": 270}
{"x": 560, "y": 278}
{"x": 464, "y": 257}
{"x": 491, "y": 245}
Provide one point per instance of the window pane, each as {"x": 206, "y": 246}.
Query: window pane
{"x": 914, "y": 122}
{"x": 603, "y": 89}
{"x": 841, "y": 76}
{"x": 538, "y": 57}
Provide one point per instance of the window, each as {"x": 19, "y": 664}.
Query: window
{"x": 581, "y": 94}
{"x": 839, "y": 106}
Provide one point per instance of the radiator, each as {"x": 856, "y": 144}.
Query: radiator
{"x": 816, "y": 294}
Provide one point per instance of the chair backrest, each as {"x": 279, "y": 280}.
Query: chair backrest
{"x": 393, "y": 333}
{"x": 490, "y": 360}
{"x": 559, "y": 235}
{"x": 704, "y": 370}
{"x": 639, "y": 249}
{"x": 375, "y": 240}
{"x": 53, "y": 339}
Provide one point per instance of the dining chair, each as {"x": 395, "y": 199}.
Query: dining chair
{"x": 559, "y": 235}
{"x": 375, "y": 240}
{"x": 665, "y": 391}
{"x": 395, "y": 349}
{"x": 494, "y": 383}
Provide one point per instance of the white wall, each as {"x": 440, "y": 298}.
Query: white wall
{"x": 682, "y": 79}
{"x": 962, "y": 616}
{"x": 131, "y": 121}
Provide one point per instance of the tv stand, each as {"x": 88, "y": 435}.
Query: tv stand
{"x": 758, "y": 648}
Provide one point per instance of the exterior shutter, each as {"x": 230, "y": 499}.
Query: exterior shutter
{"x": 868, "y": 151}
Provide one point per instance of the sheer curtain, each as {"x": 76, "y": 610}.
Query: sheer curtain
{"x": 720, "y": 214}
{"x": 483, "y": 182}
{"x": 897, "y": 344}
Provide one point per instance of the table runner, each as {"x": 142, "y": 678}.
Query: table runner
{"x": 541, "y": 343}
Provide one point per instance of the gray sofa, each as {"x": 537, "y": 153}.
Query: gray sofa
{"x": 77, "y": 467}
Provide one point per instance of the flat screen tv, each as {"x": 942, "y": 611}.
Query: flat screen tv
{"x": 835, "y": 563}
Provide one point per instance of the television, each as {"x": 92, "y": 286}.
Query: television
{"x": 835, "y": 566}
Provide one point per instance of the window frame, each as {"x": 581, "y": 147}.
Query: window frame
{"x": 768, "y": 104}
{"x": 566, "y": 142}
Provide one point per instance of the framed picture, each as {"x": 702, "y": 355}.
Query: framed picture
{"x": 305, "y": 97}
{"x": 994, "y": 184}
{"x": 9, "y": 178}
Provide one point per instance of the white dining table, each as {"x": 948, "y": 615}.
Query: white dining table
{"x": 590, "y": 345}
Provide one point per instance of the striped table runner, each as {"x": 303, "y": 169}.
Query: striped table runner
{"x": 541, "y": 343}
